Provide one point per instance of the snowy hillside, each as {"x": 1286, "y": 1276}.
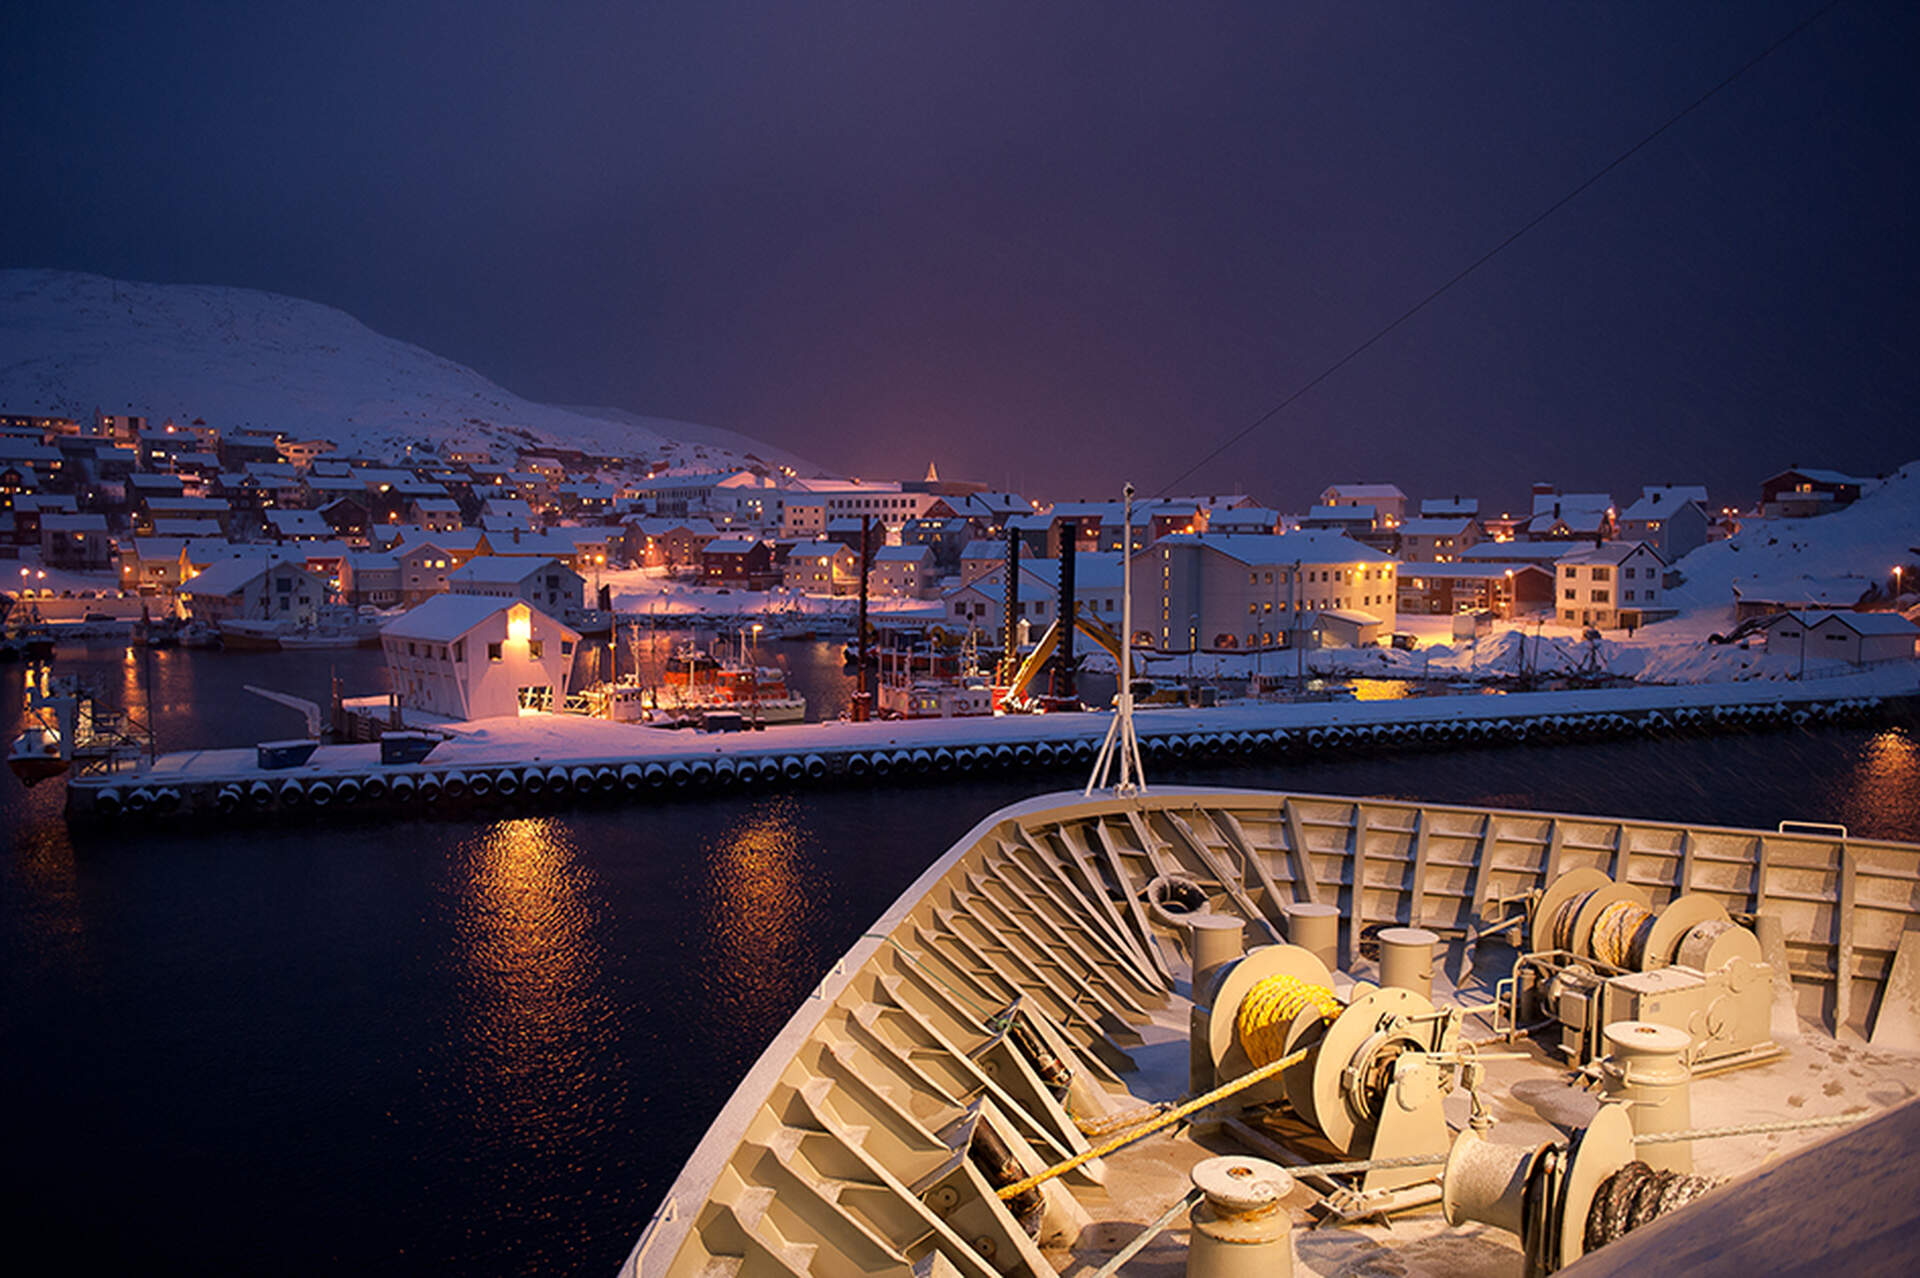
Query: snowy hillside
{"x": 73, "y": 344}
{"x": 1836, "y": 558}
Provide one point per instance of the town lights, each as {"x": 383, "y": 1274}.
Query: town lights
{"x": 519, "y": 624}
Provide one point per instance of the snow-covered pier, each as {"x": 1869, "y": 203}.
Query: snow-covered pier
{"x": 549, "y": 759}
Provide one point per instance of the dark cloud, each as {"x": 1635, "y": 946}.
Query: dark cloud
{"x": 1052, "y": 245}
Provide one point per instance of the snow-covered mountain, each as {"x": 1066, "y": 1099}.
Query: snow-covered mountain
{"x": 73, "y": 344}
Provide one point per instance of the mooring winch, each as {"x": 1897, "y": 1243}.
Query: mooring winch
{"x": 1375, "y": 1069}
{"x": 1598, "y": 952}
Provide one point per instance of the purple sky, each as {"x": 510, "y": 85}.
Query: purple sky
{"x": 1050, "y": 245}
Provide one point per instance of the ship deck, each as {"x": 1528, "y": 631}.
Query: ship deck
{"x": 1533, "y": 1100}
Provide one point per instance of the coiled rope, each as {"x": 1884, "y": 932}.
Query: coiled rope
{"x": 1269, "y": 1009}
{"x": 1620, "y": 934}
{"x": 1563, "y": 920}
{"x": 1265, "y": 1014}
{"x": 1637, "y": 1195}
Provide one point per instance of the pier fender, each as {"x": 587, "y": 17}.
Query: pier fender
{"x": 882, "y": 763}
{"x": 943, "y": 759}
{"x": 1002, "y": 756}
{"x": 402, "y": 788}
{"x": 139, "y": 800}
{"x": 723, "y": 772}
{"x": 506, "y": 783}
{"x": 605, "y": 779}
{"x": 534, "y": 782}
{"x": 292, "y": 795}
{"x": 559, "y": 782}
{"x": 656, "y": 775}
{"x": 107, "y": 803}
{"x": 815, "y": 766}
{"x": 792, "y": 768}
{"x": 228, "y": 800}
{"x": 582, "y": 779}
{"x": 374, "y": 788}
{"x": 921, "y": 761}
{"x": 965, "y": 758}
{"x": 166, "y": 799}
{"x": 857, "y": 765}
{"x": 454, "y": 785}
{"x": 702, "y": 772}
{"x": 429, "y": 788}
{"x": 1043, "y": 753}
{"x": 1023, "y": 755}
{"x": 679, "y": 774}
{"x": 633, "y": 779}
{"x": 260, "y": 794}
{"x": 347, "y": 790}
{"x": 319, "y": 794}
{"x": 480, "y": 785}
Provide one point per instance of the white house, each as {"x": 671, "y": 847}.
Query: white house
{"x": 1672, "y": 518}
{"x": 1437, "y": 540}
{"x": 254, "y": 589}
{"x": 1256, "y": 592}
{"x": 901, "y": 572}
{"x": 476, "y": 657}
{"x": 1858, "y": 638}
{"x": 1388, "y": 502}
{"x": 822, "y": 568}
{"x": 1614, "y": 584}
{"x": 980, "y": 605}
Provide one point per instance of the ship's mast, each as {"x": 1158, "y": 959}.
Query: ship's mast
{"x": 1121, "y": 740}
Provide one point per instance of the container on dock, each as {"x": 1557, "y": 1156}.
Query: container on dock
{"x": 406, "y": 747}
{"x": 285, "y": 754}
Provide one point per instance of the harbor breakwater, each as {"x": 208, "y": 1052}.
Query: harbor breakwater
{"x": 544, "y": 760}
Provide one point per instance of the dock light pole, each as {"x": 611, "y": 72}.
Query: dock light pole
{"x": 1121, "y": 739}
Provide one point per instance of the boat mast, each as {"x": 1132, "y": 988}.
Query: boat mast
{"x": 1120, "y": 735}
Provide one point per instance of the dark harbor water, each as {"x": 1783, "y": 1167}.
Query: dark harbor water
{"x": 489, "y": 1044}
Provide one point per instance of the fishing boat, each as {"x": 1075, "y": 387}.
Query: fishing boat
{"x": 1171, "y": 1028}
{"x": 696, "y": 680}
{"x": 69, "y": 725}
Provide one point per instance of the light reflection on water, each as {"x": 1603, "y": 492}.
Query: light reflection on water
{"x": 540, "y": 1064}
{"x": 1883, "y": 787}
{"x": 759, "y": 914}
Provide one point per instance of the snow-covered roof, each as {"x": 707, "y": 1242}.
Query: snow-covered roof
{"x": 810, "y": 551}
{"x": 1866, "y": 623}
{"x": 1823, "y": 476}
{"x": 1342, "y": 514}
{"x": 153, "y": 548}
{"x": 226, "y": 576}
{"x": 445, "y": 618}
{"x": 731, "y": 546}
{"x": 1611, "y": 552}
{"x": 1658, "y": 503}
{"x": 1442, "y": 507}
{"x": 502, "y": 570}
{"x": 1565, "y": 503}
{"x": 1516, "y": 552}
{"x": 1465, "y": 572}
{"x": 416, "y": 537}
{"x": 1032, "y": 586}
{"x": 73, "y": 523}
{"x": 1432, "y": 527}
{"x": 298, "y": 523}
{"x": 981, "y": 548}
{"x": 1317, "y": 547}
{"x": 901, "y": 555}
{"x": 1363, "y": 492}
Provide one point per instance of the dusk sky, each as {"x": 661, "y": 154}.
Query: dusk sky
{"x": 1047, "y": 245}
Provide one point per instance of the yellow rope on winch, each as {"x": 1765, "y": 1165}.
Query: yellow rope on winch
{"x": 1265, "y": 1015}
{"x": 1269, "y": 1009}
{"x": 1620, "y": 934}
